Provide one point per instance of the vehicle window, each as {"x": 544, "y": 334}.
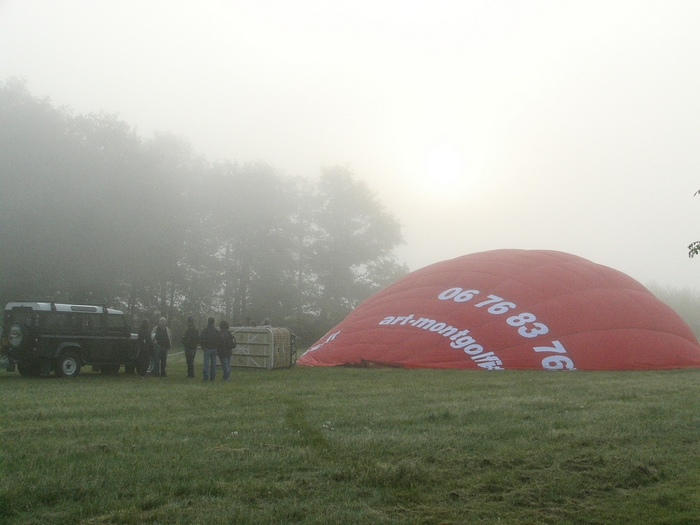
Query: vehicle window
{"x": 92, "y": 323}
{"x": 61, "y": 322}
{"x": 22, "y": 318}
{"x": 116, "y": 323}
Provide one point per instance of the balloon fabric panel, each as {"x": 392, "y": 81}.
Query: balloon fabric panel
{"x": 511, "y": 309}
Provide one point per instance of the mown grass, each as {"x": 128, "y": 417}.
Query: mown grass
{"x": 370, "y": 446}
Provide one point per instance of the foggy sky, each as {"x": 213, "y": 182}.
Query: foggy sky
{"x": 570, "y": 126}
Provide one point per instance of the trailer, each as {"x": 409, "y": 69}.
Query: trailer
{"x": 263, "y": 347}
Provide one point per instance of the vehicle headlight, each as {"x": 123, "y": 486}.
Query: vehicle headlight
{"x": 15, "y": 336}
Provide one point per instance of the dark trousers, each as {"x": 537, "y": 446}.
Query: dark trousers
{"x": 144, "y": 361}
{"x": 160, "y": 358}
{"x": 189, "y": 356}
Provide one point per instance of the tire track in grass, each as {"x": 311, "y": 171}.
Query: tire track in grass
{"x": 345, "y": 465}
{"x": 295, "y": 418}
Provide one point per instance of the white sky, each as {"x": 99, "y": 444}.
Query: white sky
{"x": 571, "y": 126}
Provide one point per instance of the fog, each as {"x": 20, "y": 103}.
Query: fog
{"x": 479, "y": 125}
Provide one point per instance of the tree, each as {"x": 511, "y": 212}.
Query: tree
{"x": 252, "y": 220}
{"x": 169, "y": 195}
{"x": 91, "y": 212}
{"x": 60, "y": 181}
{"x": 352, "y": 248}
{"x": 88, "y": 212}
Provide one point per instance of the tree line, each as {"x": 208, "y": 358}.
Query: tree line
{"x": 90, "y": 212}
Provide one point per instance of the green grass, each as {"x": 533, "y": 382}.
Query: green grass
{"x": 356, "y": 446}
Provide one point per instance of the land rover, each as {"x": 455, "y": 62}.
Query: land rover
{"x": 40, "y": 337}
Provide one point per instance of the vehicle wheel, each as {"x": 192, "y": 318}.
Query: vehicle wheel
{"x": 28, "y": 368}
{"x": 151, "y": 365}
{"x": 67, "y": 365}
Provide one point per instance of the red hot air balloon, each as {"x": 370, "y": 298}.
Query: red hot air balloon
{"x": 511, "y": 309}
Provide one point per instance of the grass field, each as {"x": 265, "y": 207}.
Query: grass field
{"x": 355, "y": 446}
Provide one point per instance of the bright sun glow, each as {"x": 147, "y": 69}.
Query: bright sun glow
{"x": 444, "y": 166}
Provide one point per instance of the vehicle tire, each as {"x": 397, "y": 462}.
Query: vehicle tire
{"x": 28, "y": 368}
{"x": 67, "y": 365}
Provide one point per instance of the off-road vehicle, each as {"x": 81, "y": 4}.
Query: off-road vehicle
{"x": 40, "y": 337}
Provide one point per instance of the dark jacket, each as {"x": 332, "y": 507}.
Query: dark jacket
{"x": 191, "y": 338}
{"x": 145, "y": 342}
{"x": 162, "y": 337}
{"x": 209, "y": 338}
{"x": 226, "y": 344}
{"x": 145, "y": 350}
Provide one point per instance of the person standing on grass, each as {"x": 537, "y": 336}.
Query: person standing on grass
{"x": 162, "y": 343}
{"x": 209, "y": 340}
{"x": 145, "y": 344}
{"x": 190, "y": 341}
{"x": 226, "y": 345}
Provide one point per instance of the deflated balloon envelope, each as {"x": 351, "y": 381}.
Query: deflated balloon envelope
{"x": 511, "y": 309}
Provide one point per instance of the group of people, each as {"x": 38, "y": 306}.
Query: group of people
{"x": 215, "y": 343}
{"x": 157, "y": 343}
